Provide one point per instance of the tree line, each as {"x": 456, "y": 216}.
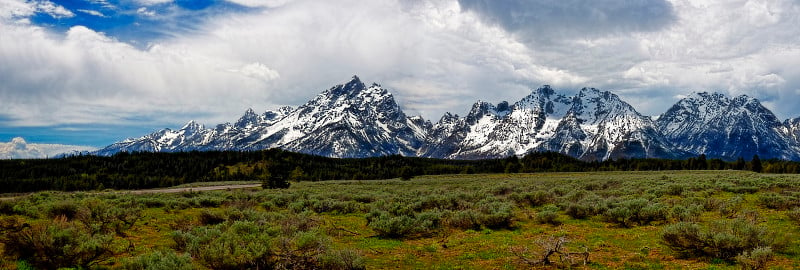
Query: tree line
{"x": 275, "y": 167}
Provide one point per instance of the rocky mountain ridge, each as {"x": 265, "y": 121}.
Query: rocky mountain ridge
{"x": 356, "y": 120}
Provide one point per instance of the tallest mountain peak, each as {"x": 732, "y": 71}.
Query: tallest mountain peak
{"x": 354, "y": 85}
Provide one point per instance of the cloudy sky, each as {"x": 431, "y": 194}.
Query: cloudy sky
{"x": 92, "y": 72}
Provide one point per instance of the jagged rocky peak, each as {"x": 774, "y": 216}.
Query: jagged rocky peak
{"x": 353, "y": 119}
{"x": 727, "y": 128}
{"x": 478, "y": 111}
{"x": 485, "y": 109}
{"x": 544, "y": 101}
{"x": 271, "y": 116}
{"x": 592, "y": 106}
{"x": 448, "y": 119}
{"x": 793, "y": 126}
{"x": 502, "y": 108}
{"x": 546, "y": 90}
{"x": 193, "y": 126}
{"x": 224, "y": 127}
{"x": 698, "y": 110}
{"x": 716, "y": 96}
{"x": 351, "y": 87}
{"x": 248, "y": 120}
{"x": 419, "y": 120}
{"x": 481, "y": 108}
{"x": 536, "y": 97}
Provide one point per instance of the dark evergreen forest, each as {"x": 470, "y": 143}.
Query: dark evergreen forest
{"x": 277, "y": 167}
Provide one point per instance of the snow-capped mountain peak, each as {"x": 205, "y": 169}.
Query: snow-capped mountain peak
{"x": 192, "y": 126}
{"x": 248, "y": 120}
{"x": 354, "y": 119}
{"x": 728, "y": 128}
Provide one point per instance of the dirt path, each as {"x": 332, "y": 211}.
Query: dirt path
{"x": 165, "y": 190}
{"x": 189, "y": 189}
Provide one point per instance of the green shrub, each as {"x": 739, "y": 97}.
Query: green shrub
{"x": 303, "y": 222}
{"x": 576, "y": 195}
{"x": 301, "y": 250}
{"x": 636, "y": 211}
{"x": 685, "y": 238}
{"x": 653, "y": 212}
{"x": 152, "y": 202}
{"x": 335, "y": 206}
{"x": 723, "y": 239}
{"x": 533, "y": 199}
{"x": 67, "y": 208}
{"x": 464, "y": 219}
{"x": 711, "y": 203}
{"x": 159, "y": 260}
{"x": 776, "y": 201}
{"x": 7, "y": 206}
{"x": 343, "y": 260}
{"x": 298, "y": 206}
{"x": 689, "y": 213}
{"x": 675, "y": 189}
{"x": 794, "y": 214}
{"x": 588, "y": 206}
{"x": 548, "y": 215}
{"x": 495, "y": 214}
{"x": 403, "y": 226}
{"x": 230, "y": 245}
{"x": 489, "y": 214}
{"x": 211, "y": 217}
{"x": 99, "y": 216}
{"x": 500, "y": 189}
{"x": 207, "y": 201}
{"x": 741, "y": 187}
{"x": 23, "y": 265}
{"x": 756, "y": 259}
{"x": 730, "y": 207}
{"x": 254, "y": 242}
{"x": 57, "y": 244}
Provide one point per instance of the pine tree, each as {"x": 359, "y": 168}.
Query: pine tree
{"x": 755, "y": 165}
{"x": 740, "y": 164}
{"x": 701, "y": 163}
{"x": 512, "y": 164}
{"x": 406, "y": 173}
{"x": 297, "y": 174}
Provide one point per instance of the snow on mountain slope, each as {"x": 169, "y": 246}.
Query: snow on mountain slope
{"x": 727, "y": 128}
{"x": 614, "y": 129}
{"x": 793, "y": 129}
{"x": 502, "y": 130}
{"x": 347, "y": 120}
{"x": 592, "y": 125}
{"x": 356, "y": 120}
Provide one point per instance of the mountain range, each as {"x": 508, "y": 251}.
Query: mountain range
{"x": 353, "y": 120}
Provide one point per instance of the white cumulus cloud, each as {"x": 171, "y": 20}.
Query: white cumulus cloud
{"x": 261, "y": 3}
{"x": 153, "y": 2}
{"x": 259, "y": 71}
{"x": 18, "y": 148}
{"x": 54, "y": 10}
{"x": 146, "y": 12}
{"x": 434, "y": 55}
{"x": 93, "y": 12}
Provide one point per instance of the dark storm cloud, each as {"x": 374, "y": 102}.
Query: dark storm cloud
{"x": 545, "y": 20}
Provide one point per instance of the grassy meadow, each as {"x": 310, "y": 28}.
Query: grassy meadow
{"x": 597, "y": 220}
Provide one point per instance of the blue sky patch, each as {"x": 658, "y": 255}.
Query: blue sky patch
{"x": 87, "y": 134}
{"x": 138, "y": 24}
